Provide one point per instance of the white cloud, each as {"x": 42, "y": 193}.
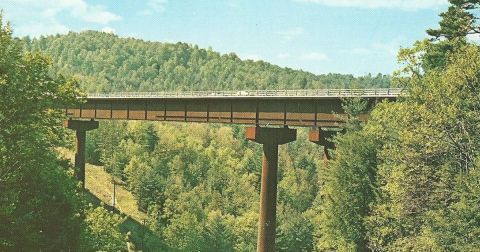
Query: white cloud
{"x": 43, "y": 22}
{"x": 153, "y": 6}
{"x": 314, "y": 56}
{"x": 291, "y": 34}
{"x": 36, "y": 29}
{"x": 390, "y": 4}
{"x": 50, "y": 13}
{"x": 157, "y": 5}
{"x": 108, "y": 30}
{"x": 42, "y": 17}
{"x": 76, "y": 8}
{"x": 95, "y": 14}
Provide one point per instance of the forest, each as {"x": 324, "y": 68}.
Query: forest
{"x": 103, "y": 62}
{"x": 405, "y": 180}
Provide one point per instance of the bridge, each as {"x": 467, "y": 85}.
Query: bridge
{"x": 301, "y": 108}
{"x": 319, "y": 109}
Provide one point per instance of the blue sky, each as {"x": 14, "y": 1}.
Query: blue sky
{"x": 319, "y": 36}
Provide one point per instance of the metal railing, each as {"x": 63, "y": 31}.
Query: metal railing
{"x": 374, "y": 92}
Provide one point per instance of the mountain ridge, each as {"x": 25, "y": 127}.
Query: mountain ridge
{"x": 105, "y": 62}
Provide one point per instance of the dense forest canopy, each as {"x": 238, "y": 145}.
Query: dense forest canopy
{"x": 104, "y": 62}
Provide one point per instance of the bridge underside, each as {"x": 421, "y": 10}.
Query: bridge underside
{"x": 275, "y": 111}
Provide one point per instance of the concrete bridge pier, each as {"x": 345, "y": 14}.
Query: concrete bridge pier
{"x": 270, "y": 138}
{"x": 81, "y": 128}
{"x": 322, "y": 137}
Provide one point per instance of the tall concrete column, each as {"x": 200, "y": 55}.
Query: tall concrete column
{"x": 321, "y": 137}
{"x": 81, "y": 128}
{"x": 270, "y": 138}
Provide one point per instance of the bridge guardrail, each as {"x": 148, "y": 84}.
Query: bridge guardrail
{"x": 373, "y": 92}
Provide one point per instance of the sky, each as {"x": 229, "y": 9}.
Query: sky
{"x": 319, "y": 36}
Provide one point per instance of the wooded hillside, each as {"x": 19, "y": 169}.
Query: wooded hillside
{"x": 104, "y": 62}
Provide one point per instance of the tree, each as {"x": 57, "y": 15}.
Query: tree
{"x": 106, "y": 63}
{"x": 39, "y": 209}
{"x": 456, "y": 24}
{"x": 458, "y": 21}
{"x": 102, "y": 231}
{"x": 428, "y": 160}
{"x": 295, "y": 230}
{"x": 348, "y": 190}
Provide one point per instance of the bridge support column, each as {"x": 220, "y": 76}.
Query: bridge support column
{"x": 322, "y": 137}
{"x": 81, "y": 128}
{"x": 270, "y": 138}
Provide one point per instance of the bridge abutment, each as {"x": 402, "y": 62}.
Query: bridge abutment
{"x": 270, "y": 138}
{"x": 81, "y": 128}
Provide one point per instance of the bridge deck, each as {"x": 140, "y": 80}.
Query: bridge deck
{"x": 315, "y": 93}
{"x": 261, "y": 107}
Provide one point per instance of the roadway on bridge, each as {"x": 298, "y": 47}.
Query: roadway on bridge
{"x": 301, "y": 108}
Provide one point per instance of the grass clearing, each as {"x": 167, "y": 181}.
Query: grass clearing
{"x": 99, "y": 188}
{"x": 99, "y": 183}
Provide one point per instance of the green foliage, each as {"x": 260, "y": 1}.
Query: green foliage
{"x": 456, "y": 24}
{"x": 295, "y": 230}
{"x": 428, "y": 159}
{"x": 38, "y": 202}
{"x": 456, "y": 228}
{"x": 40, "y": 205}
{"x": 106, "y": 63}
{"x": 130, "y": 245}
{"x": 405, "y": 181}
{"x": 200, "y": 184}
{"x": 102, "y": 231}
{"x": 348, "y": 190}
{"x": 458, "y": 21}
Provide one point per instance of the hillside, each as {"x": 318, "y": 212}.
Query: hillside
{"x": 105, "y": 62}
